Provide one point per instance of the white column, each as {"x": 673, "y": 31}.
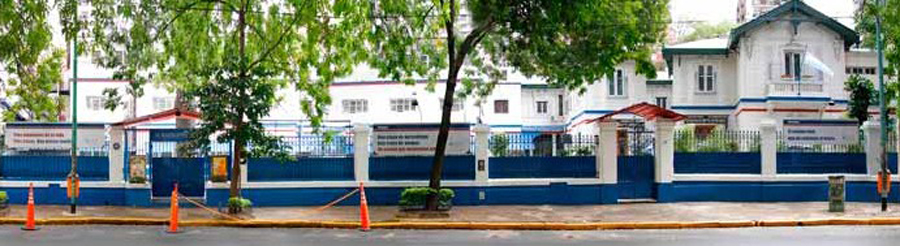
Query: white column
{"x": 606, "y": 152}
{"x": 665, "y": 150}
{"x": 361, "y": 134}
{"x": 872, "y": 131}
{"x": 116, "y": 154}
{"x": 482, "y": 154}
{"x": 768, "y": 149}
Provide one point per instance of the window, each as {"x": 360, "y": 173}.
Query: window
{"x": 163, "y": 103}
{"x": 792, "y": 61}
{"x": 617, "y": 84}
{"x": 403, "y": 104}
{"x": 501, "y": 106}
{"x": 862, "y": 70}
{"x": 559, "y": 100}
{"x": 706, "y": 78}
{"x": 662, "y": 102}
{"x": 95, "y": 103}
{"x": 352, "y": 106}
{"x": 542, "y": 107}
{"x": 457, "y": 104}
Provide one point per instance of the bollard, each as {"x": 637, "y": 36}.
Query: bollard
{"x": 836, "y": 193}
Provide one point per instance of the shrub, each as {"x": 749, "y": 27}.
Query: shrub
{"x": 416, "y": 196}
{"x": 499, "y": 145}
{"x": 137, "y": 180}
{"x": 239, "y": 202}
{"x": 3, "y": 197}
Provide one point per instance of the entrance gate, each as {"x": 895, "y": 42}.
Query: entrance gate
{"x": 635, "y": 164}
{"x": 167, "y": 168}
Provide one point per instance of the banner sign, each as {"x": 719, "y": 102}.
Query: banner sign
{"x": 53, "y": 136}
{"x": 821, "y": 132}
{"x": 419, "y": 139}
{"x": 170, "y": 135}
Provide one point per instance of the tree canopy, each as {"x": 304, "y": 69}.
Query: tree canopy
{"x": 704, "y": 30}
{"x": 231, "y": 57}
{"x": 29, "y": 63}
{"x": 570, "y": 44}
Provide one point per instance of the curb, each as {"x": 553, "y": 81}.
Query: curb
{"x": 445, "y": 225}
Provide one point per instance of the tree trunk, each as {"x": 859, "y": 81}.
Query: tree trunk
{"x": 238, "y": 148}
{"x": 437, "y": 166}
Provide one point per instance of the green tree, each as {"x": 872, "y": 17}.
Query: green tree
{"x": 862, "y": 93}
{"x": 569, "y": 43}
{"x": 28, "y": 62}
{"x": 890, "y": 28}
{"x": 230, "y": 57}
{"x": 703, "y": 30}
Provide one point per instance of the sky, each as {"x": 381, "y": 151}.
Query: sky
{"x": 726, "y": 10}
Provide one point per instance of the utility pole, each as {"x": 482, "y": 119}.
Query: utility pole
{"x": 73, "y": 179}
{"x": 881, "y": 104}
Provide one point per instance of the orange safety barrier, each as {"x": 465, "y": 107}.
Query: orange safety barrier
{"x": 29, "y": 220}
{"x": 363, "y": 209}
{"x": 173, "y": 220}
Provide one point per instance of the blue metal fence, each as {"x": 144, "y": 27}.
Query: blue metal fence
{"x": 799, "y": 162}
{"x": 543, "y": 167}
{"x": 718, "y": 162}
{"x": 419, "y": 168}
{"x": 34, "y": 167}
{"x": 302, "y": 169}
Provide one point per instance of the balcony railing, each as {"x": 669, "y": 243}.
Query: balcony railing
{"x": 794, "y": 89}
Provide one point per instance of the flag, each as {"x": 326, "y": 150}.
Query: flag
{"x": 811, "y": 61}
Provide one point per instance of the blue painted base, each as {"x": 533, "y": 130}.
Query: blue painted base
{"x": 663, "y": 192}
{"x": 555, "y": 193}
{"x": 56, "y": 195}
{"x": 769, "y": 191}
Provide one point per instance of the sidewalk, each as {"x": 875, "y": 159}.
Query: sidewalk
{"x": 655, "y": 212}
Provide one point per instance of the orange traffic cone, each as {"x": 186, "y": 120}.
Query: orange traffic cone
{"x": 29, "y": 221}
{"x": 363, "y": 209}
{"x": 173, "y": 220}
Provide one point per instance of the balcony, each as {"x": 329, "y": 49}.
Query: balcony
{"x": 779, "y": 84}
{"x": 795, "y": 89}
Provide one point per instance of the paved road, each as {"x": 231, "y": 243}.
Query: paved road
{"x": 141, "y": 236}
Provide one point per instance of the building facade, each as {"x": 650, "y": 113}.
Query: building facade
{"x": 760, "y": 71}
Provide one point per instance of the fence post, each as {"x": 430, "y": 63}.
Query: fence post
{"x": 872, "y": 131}
{"x": 665, "y": 158}
{"x": 116, "y": 154}
{"x": 768, "y": 149}
{"x": 482, "y": 153}
{"x": 361, "y": 151}
{"x": 607, "y": 162}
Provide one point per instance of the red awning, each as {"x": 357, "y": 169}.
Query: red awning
{"x": 158, "y": 116}
{"x": 647, "y": 111}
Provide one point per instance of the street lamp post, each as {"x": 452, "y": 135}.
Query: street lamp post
{"x": 882, "y": 109}
{"x": 73, "y": 179}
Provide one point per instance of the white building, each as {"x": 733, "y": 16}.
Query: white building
{"x": 732, "y": 82}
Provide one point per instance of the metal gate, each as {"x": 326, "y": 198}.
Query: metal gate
{"x": 635, "y": 164}
{"x": 168, "y": 167}
{"x": 187, "y": 172}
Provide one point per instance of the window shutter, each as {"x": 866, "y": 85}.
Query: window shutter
{"x": 715, "y": 79}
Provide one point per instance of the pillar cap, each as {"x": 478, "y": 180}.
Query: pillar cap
{"x": 481, "y": 128}
{"x": 361, "y": 127}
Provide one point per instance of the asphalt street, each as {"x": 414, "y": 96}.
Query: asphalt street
{"x": 154, "y": 235}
